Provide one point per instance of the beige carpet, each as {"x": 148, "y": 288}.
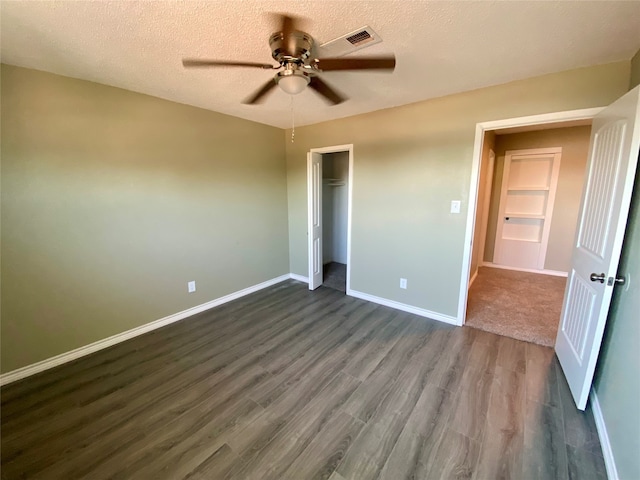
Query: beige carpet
{"x": 521, "y": 305}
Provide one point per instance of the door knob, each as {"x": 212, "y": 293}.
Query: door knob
{"x": 594, "y": 277}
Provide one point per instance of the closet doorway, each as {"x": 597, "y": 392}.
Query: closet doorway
{"x": 330, "y": 173}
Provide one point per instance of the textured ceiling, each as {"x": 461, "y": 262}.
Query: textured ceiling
{"x": 441, "y": 47}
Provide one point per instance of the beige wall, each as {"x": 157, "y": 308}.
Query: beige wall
{"x": 409, "y": 163}
{"x": 617, "y": 383}
{"x": 477, "y": 257}
{"x": 112, "y": 201}
{"x": 575, "y": 149}
{"x": 634, "y": 78}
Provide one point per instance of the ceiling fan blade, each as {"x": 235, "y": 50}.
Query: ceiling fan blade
{"x": 359, "y": 63}
{"x": 326, "y": 91}
{"x": 188, "y": 62}
{"x": 260, "y": 94}
{"x": 288, "y": 27}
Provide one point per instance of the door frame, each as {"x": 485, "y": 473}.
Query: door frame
{"x": 322, "y": 150}
{"x": 481, "y": 129}
{"x": 484, "y": 218}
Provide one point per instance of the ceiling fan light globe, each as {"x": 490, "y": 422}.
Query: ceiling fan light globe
{"x": 293, "y": 84}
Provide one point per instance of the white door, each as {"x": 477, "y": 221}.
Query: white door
{"x": 314, "y": 200}
{"x": 613, "y": 157}
{"x": 527, "y": 196}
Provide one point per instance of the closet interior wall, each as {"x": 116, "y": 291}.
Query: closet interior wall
{"x": 335, "y": 188}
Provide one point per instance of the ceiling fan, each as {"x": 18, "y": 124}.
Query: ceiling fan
{"x": 292, "y": 48}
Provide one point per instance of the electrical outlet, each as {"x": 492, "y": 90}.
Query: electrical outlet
{"x": 191, "y": 286}
{"x": 455, "y": 206}
{"x": 403, "y": 283}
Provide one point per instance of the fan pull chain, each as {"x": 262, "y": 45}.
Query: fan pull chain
{"x": 293, "y": 122}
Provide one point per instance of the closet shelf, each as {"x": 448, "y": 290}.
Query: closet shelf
{"x": 524, "y": 215}
{"x": 334, "y": 182}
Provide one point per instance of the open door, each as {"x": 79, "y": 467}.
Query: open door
{"x": 613, "y": 158}
{"x": 314, "y": 184}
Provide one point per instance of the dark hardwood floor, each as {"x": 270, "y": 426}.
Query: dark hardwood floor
{"x": 291, "y": 384}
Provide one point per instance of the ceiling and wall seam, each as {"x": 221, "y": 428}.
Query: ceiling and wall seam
{"x": 442, "y": 48}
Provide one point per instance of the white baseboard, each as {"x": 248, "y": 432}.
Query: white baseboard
{"x": 43, "y": 365}
{"x": 555, "y": 273}
{"x": 299, "y": 278}
{"x": 607, "y": 452}
{"x": 52, "y": 362}
{"x": 404, "y": 307}
{"x": 390, "y": 303}
{"x": 473, "y": 278}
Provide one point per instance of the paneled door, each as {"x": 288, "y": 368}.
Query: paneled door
{"x": 529, "y": 182}
{"x": 314, "y": 231}
{"x": 613, "y": 158}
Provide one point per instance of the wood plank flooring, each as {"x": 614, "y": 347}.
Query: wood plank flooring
{"x": 291, "y": 384}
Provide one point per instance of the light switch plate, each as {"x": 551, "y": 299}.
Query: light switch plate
{"x": 455, "y": 206}
{"x": 191, "y": 286}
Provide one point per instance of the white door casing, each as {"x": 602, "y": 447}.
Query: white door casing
{"x": 527, "y": 198}
{"x": 314, "y": 212}
{"x": 613, "y": 158}
{"x": 314, "y": 196}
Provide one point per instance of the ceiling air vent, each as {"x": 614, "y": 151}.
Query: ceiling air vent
{"x": 351, "y": 42}
{"x": 360, "y": 37}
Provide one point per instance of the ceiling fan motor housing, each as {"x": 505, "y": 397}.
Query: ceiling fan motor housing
{"x": 299, "y": 43}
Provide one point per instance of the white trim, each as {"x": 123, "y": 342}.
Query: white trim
{"x": 555, "y": 273}
{"x": 601, "y": 427}
{"x": 545, "y": 118}
{"x": 471, "y": 213}
{"x": 481, "y": 128}
{"x": 349, "y": 215}
{"x": 335, "y": 149}
{"x": 43, "y": 365}
{"x": 404, "y": 307}
{"x": 299, "y": 278}
{"x": 473, "y": 279}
